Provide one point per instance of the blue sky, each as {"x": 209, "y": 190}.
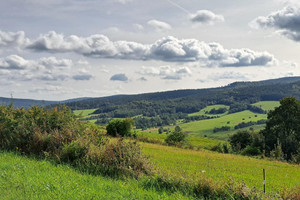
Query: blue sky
{"x": 55, "y": 50}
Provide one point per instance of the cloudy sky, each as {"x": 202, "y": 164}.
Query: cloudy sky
{"x": 56, "y": 50}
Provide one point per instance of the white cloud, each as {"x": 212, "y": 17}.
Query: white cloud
{"x": 286, "y": 21}
{"x": 159, "y": 25}
{"x": 166, "y": 72}
{"x": 17, "y": 39}
{"x": 82, "y": 75}
{"x": 15, "y": 62}
{"x": 168, "y": 49}
{"x": 206, "y": 17}
{"x": 51, "y": 62}
{"x": 44, "y": 69}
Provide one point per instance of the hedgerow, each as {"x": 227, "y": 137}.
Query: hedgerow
{"x": 57, "y": 134}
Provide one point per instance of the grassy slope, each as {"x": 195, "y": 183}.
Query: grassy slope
{"x": 267, "y": 105}
{"x": 24, "y": 178}
{"x": 84, "y": 113}
{"x": 208, "y": 108}
{"x": 205, "y": 127}
{"x": 222, "y": 167}
{"x": 202, "y": 142}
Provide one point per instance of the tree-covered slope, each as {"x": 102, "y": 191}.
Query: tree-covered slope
{"x": 238, "y": 96}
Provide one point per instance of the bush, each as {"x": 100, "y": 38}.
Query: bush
{"x": 120, "y": 127}
{"x": 240, "y": 140}
{"x": 223, "y": 128}
{"x": 117, "y": 158}
{"x": 176, "y": 137}
{"x": 251, "y": 151}
{"x": 221, "y": 148}
{"x": 56, "y": 134}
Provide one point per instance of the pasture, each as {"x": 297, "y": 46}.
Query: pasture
{"x": 223, "y": 168}
{"x": 25, "y": 178}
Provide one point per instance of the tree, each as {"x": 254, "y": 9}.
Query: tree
{"x": 240, "y": 140}
{"x": 120, "y": 127}
{"x": 160, "y": 130}
{"x": 176, "y": 137}
{"x": 283, "y": 128}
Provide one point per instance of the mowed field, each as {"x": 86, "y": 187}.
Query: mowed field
{"x": 25, "y": 178}
{"x": 205, "y": 127}
{"x": 267, "y": 105}
{"x": 223, "y": 168}
{"x": 84, "y": 113}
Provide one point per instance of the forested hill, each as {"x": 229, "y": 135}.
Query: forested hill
{"x": 187, "y": 101}
{"x": 179, "y": 101}
{"x": 26, "y": 103}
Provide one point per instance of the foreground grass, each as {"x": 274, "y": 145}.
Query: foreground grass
{"x": 25, "y": 178}
{"x": 194, "y": 165}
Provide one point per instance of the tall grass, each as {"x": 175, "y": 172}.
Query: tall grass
{"x": 57, "y": 134}
{"x": 223, "y": 168}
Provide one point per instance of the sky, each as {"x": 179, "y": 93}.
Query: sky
{"x": 58, "y": 50}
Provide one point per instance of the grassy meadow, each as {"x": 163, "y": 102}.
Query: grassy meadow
{"x": 208, "y": 108}
{"x": 267, "y": 105}
{"x": 205, "y": 127}
{"x": 26, "y": 178}
{"x": 222, "y": 168}
{"x": 202, "y": 128}
{"x": 84, "y": 113}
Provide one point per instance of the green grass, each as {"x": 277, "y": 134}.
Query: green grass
{"x": 194, "y": 165}
{"x": 208, "y": 108}
{"x": 197, "y": 142}
{"x": 205, "y": 127}
{"x": 26, "y": 178}
{"x": 84, "y": 113}
{"x": 267, "y": 105}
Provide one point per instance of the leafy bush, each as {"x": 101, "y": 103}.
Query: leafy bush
{"x": 176, "y": 137}
{"x": 119, "y": 127}
{"x": 223, "y": 128}
{"x": 221, "y": 148}
{"x": 251, "y": 151}
{"x": 240, "y": 140}
{"x": 117, "y": 158}
{"x": 57, "y": 134}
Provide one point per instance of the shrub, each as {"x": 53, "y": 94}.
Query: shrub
{"x": 176, "y": 137}
{"x": 120, "y": 127}
{"x": 221, "y": 148}
{"x": 56, "y": 134}
{"x": 117, "y": 158}
{"x": 251, "y": 151}
{"x": 240, "y": 140}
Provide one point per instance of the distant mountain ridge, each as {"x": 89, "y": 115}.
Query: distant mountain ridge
{"x": 273, "y": 89}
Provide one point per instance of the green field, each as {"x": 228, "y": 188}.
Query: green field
{"x": 196, "y": 142}
{"x": 208, "y": 108}
{"x": 25, "y": 178}
{"x": 267, "y": 105}
{"x": 223, "y": 167}
{"x": 84, "y": 113}
{"x": 205, "y": 127}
